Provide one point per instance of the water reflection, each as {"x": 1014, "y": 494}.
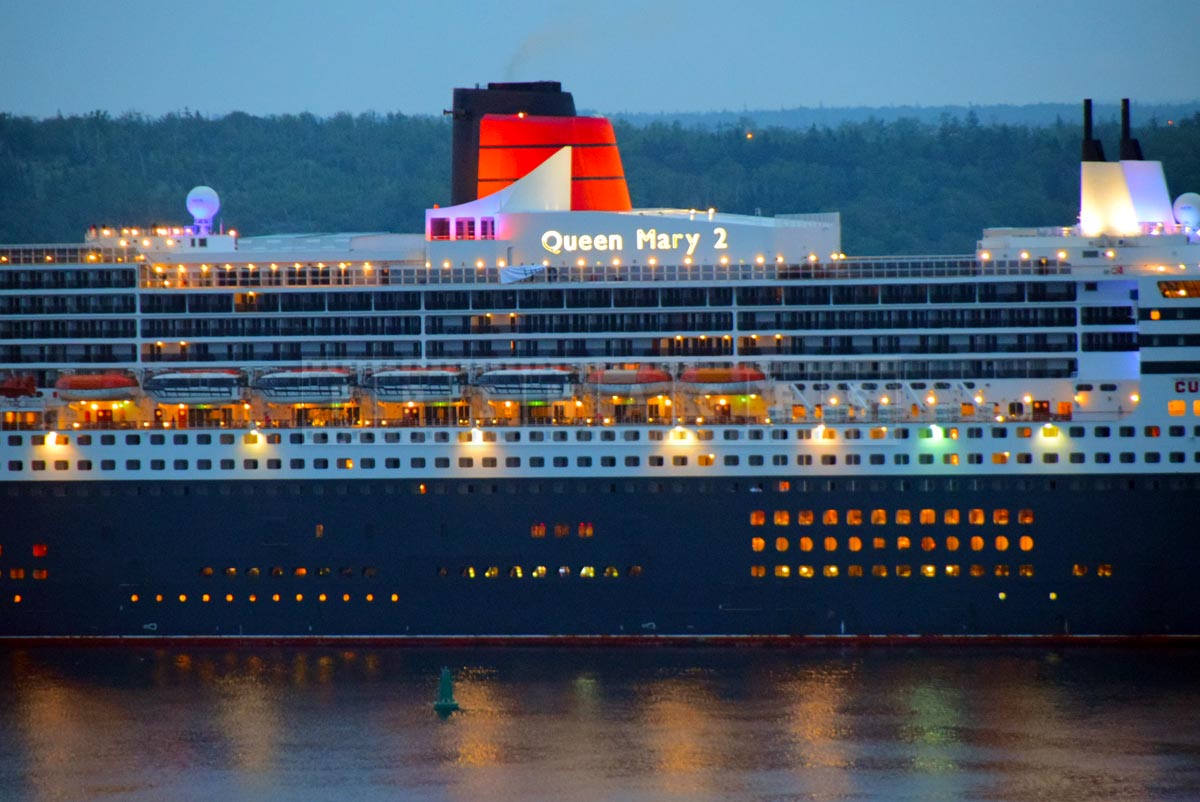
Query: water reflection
{"x": 537, "y": 724}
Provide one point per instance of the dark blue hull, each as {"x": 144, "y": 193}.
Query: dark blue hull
{"x": 1095, "y": 556}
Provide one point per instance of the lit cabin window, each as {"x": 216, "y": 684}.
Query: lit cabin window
{"x": 40, "y": 573}
{"x": 928, "y": 516}
{"x": 950, "y": 517}
{"x": 977, "y": 570}
{"x": 515, "y": 572}
{"x": 1176, "y": 407}
{"x": 253, "y": 572}
{"x": 1079, "y": 570}
{"x": 805, "y": 571}
{"x": 537, "y": 530}
{"x": 804, "y": 518}
{"x": 928, "y": 543}
{"x": 611, "y": 572}
{"x": 586, "y": 530}
{"x": 539, "y": 572}
{"x": 1000, "y": 517}
{"x": 831, "y": 544}
{"x": 781, "y": 544}
{"x": 854, "y": 544}
{"x": 975, "y": 517}
{"x": 492, "y": 571}
{"x": 39, "y": 550}
{"x": 469, "y": 572}
{"x": 300, "y": 572}
{"x": 1001, "y": 570}
{"x": 783, "y": 571}
{"x": 206, "y": 598}
{"x": 878, "y": 543}
{"x": 1104, "y": 569}
{"x": 999, "y": 457}
{"x": 830, "y": 517}
{"x": 1025, "y": 517}
{"x": 1001, "y": 543}
{"x": 976, "y": 543}
{"x": 854, "y": 517}
{"x": 879, "y": 517}
{"x": 561, "y": 530}
{"x": 231, "y": 571}
{"x": 206, "y": 571}
{"x": 587, "y": 572}
{"x": 951, "y": 570}
{"x": 782, "y": 518}
{"x": 784, "y": 486}
{"x": 904, "y": 570}
{"x": 879, "y": 570}
{"x": 320, "y": 530}
{"x": 854, "y": 570}
{"x": 1025, "y": 543}
{"x": 903, "y": 543}
{"x": 806, "y": 544}
{"x": 1024, "y": 570}
{"x": 757, "y": 544}
{"x": 952, "y": 543}
{"x": 182, "y": 598}
{"x": 277, "y": 571}
{"x": 758, "y": 517}
{"x": 564, "y": 571}
{"x": 903, "y": 517}
{"x": 758, "y": 571}
{"x": 830, "y": 571}
{"x": 929, "y": 571}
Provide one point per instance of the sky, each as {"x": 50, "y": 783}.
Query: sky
{"x": 290, "y": 56}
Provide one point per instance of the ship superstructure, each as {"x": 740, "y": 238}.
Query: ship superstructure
{"x": 552, "y": 415}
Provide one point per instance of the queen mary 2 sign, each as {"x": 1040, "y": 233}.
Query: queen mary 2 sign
{"x": 669, "y": 236}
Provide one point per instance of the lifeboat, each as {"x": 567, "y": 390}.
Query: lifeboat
{"x": 633, "y": 383}
{"x": 196, "y": 386}
{"x": 736, "y": 379}
{"x": 96, "y": 387}
{"x": 18, "y": 387}
{"x": 528, "y": 384}
{"x": 305, "y": 386}
{"x": 415, "y": 384}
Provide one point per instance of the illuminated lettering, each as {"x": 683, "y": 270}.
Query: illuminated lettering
{"x": 692, "y": 240}
{"x": 722, "y": 234}
{"x": 645, "y": 239}
{"x": 556, "y": 242}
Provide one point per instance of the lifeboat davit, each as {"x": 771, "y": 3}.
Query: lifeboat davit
{"x": 633, "y": 383}
{"x": 18, "y": 387}
{"x": 528, "y": 384}
{"x": 196, "y": 386}
{"x": 96, "y": 387}
{"x": 305, "y": 386}
{"x": 415, "y": 384}
{"x": 735, "y": 379}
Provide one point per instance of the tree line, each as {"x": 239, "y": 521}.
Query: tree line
{"x": 902, "y": 186}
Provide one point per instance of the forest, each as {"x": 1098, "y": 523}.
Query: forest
{"x": 903, "y": 186}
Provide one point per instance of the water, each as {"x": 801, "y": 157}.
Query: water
{"x": 590, "y": 724}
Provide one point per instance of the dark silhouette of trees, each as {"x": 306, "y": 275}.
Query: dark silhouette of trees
{"x": 903, "y": 186}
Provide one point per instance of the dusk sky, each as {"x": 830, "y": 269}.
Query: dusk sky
{"x": 272, "y": 57}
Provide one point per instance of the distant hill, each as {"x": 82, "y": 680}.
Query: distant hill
{"x": 1037, "y": 114}
{"x": 902, "y": 185}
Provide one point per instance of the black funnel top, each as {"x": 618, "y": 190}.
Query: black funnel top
{"x": 1093, "y": 151}
{"x": 1130, "y": 149}
{"x": 539, "y": 98}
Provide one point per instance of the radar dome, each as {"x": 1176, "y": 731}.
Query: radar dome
{"x": 203, "y": 203}
{"x": 1187, "y": 210}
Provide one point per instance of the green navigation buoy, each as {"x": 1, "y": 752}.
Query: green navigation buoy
{"x": 445, "y": 704}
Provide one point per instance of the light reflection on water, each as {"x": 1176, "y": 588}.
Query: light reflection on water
{"x": 587, "y": 724}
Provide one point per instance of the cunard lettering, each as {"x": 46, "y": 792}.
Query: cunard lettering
{"x": 1187, "y": 385}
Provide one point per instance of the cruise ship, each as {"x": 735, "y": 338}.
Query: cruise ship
{"x": 552, "y": 417}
